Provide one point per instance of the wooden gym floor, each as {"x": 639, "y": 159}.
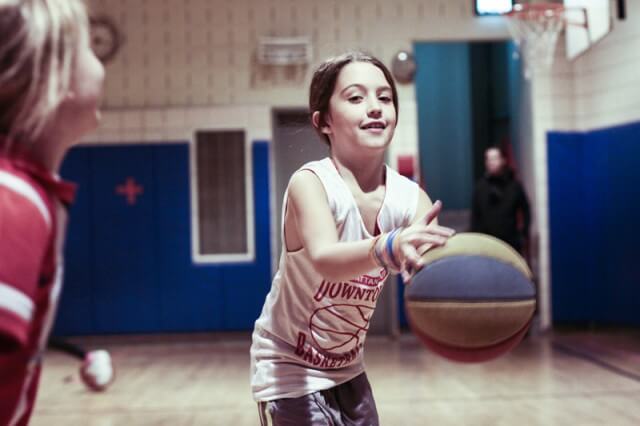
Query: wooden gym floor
{"x": 564, "y": 378}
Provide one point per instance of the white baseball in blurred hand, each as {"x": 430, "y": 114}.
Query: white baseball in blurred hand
{"x": 97, "y": 370}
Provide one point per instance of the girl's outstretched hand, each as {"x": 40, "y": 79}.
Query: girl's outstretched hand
{"x": 414, "y": 241}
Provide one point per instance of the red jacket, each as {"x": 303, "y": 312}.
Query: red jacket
{"x": 32, "y": 221}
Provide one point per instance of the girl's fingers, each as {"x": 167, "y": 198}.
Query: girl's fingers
{"x": 420, "y": 239}
{"x": 406, "y": 275}
{"x": 441, "y": 230}
{"x": 425, "y": 248}
{"x": 410, "y": 255}
{"x": 433, "y": 212}
{"x": 414, "y": 241}
{"x": 430, "y": 229}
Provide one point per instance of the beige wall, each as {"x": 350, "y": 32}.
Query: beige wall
{"x": 202, "y": 52}
{"x": 191, "y": 63}
{"x": 607, "y": 78}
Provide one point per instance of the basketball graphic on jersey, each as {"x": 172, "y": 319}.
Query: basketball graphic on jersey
{"x": 340, "y": 327}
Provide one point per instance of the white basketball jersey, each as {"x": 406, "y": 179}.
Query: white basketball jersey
{"x": 311, "y": 332}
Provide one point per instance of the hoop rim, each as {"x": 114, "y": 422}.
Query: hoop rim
{"x": 531, "y": 11}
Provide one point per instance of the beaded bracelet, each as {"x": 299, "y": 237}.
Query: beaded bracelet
{"x": 374, "y": 253}
{"x": 379, "y": 250}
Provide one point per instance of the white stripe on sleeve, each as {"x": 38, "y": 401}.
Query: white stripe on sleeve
{"x": 15, "y": 301}
{"x": 23, "y": 188}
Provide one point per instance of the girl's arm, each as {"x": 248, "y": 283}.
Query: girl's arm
{"x": 309, "y": 224}
{"x": 24, "y": 238}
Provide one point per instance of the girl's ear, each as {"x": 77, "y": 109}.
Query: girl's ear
{"x": 315, "y": 119}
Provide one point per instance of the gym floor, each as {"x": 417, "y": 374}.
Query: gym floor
{"x": 571, "y": 377}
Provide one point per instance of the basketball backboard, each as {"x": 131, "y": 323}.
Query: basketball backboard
{"x": 588, "y": 21}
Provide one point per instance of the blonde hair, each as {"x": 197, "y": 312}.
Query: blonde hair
{"x": 38, "y": 44}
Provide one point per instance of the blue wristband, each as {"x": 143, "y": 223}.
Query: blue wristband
{"x": 389, "y": 248}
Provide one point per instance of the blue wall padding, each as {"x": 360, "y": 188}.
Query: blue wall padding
{"x": 593, "y": 210}
{"x": 76, "y": 309}
{"x": 125, "y": 242}
{"x": 443, "y": 94}
{"x": 190, "y": 294}
{"x": 470, "y": 278}
{"x": 129, "y": 268}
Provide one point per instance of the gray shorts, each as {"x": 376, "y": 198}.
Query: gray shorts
{"x": 348, "y": 404}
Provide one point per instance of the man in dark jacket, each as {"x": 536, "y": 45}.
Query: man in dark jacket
{"x": 500, "y": 207}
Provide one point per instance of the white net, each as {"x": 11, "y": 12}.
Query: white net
{"x": 535, "y": 30}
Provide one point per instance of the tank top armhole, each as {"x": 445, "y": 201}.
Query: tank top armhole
{"x": 403, "y": 187}
{"x": 285, "y": 207}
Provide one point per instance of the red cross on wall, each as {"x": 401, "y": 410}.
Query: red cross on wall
{"x": 130, "y": 189}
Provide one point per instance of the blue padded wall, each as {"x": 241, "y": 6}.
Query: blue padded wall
{"x": 593, "y": 206}
{"x": 125, "y": 241}
{"x": 443, "y": 94}
{"x": 75, "y": 310}
{"x": 129, "y": 266}
{"x": 190, "y": 294}
{"x": 571, "y": 255}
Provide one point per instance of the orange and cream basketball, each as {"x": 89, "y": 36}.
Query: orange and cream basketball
{"x": 473, "y": 300}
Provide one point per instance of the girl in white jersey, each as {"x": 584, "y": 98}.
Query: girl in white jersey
{"x": 348, "y": 220}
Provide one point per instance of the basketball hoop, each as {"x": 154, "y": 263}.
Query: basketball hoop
{"x": 535, "y": 29}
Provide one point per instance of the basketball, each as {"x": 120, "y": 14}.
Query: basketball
{"x": 473, "y": 300}
{"x": 97, "y": 371}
